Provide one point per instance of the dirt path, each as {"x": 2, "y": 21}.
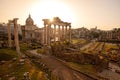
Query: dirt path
{"x": 59, "y": 69}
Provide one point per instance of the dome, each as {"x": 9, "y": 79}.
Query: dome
{"x": 29, "y": 21}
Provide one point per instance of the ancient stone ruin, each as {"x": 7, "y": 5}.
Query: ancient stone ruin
{"x": 64, "y": 28}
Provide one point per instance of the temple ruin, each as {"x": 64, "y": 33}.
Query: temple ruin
{"x": 61, "y": 30}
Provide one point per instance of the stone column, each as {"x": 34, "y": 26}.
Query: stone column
{"x": 54, "y": 33}
{"x": 9, "y": 34}
{"x": 111, "y": 35}
{"x": 66, "y": 32}
{"x": 107, "y": 35}
{"x": 45, "y": 30}
{"x": 63, "y": 31}
{"x": 59, "y": 33}
{"x": 16, "y": 38}
{"x": 48, "y": 33}
{"x": 69, "y": 33}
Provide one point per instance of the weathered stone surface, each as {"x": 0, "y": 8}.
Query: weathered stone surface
{"x": 12, "y": 78}
{"x": 22, "y": 63}
{"x": 26, "y": 76}
{"x": 2, "y": 62}
{"x": 22, "y": 60}
{"x": 14, "y": 59}
{"x": 23, "y": 57}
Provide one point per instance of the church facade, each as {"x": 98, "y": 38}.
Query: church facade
{"x": 29, "y": 30}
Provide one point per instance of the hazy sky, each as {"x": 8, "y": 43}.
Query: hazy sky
{"x": 88, "y": 13}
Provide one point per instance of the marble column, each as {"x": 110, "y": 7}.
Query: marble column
{"x": 16, "y": 38}
{"x": 111, "y": 35}
{"x": 45, "y": 30}
{"x": 59, "y": 33}
{"x": 69, "y": 33}
{"x": 48, "y": 33}
{"x": 9, "y": 34}
{"x": 54, "y": 33}
{"x": 66, "y": 32}
{"x": 62, "y": 31}
{"x": 107, "y": 35}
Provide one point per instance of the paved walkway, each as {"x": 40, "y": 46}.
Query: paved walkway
{"x": 111, "y": 74}
{"x": 59, "y": 69}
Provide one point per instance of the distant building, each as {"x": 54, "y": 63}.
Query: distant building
{"x": 80, "y": 33}
{"x": 30, "y": 31}
{"x": 39, "y": 35}
{"x": 3, "y": 32}
{"x": 94, "y": 33}
{"x": 111, "y": 35}
{"x": 4, "y": 28}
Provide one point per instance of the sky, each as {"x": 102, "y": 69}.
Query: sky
{"x": 105, "y": 14}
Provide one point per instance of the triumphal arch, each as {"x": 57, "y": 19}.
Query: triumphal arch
{"x": 61, "y": 31}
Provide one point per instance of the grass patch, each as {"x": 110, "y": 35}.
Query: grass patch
{"x": 13, "y": 68}
{"x": 24, "y": 47}
{"x": 7, "y": 54}
{"x": 41, "y": 51}
{"x": 34, "y": 76}
{"x": 85, "y": 69}
{"x": 109, "y": 46}
{"x": 78, "y": 41}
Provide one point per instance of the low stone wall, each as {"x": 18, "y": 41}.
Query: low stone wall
{"x": 81, "y": 58}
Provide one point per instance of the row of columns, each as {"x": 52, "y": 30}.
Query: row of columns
{"x": 64, "y": 32}
{"x": 16, "y": 38}
{"x": 60, "y": 33}
{"x": 110, "y": 35}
